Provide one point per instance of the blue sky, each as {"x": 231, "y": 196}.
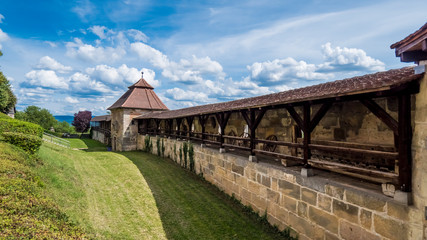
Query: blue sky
{"x": 68, "y": 56}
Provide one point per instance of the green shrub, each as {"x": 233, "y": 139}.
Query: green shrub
{"x": 28, "y": 143}
{"x": 185, "y": 151}
{"x": 8, "y": 124}
{"x": 191, "y": 156}
{"x": 148, "y": 146}
{"x": 158, "y": 147}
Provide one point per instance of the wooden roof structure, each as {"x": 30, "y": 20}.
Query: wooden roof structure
{"x": 413, "y": 48}
{"x": 102, "y": 118}
{"x": 140, "y": 96}
{"x": 371, "y": 83}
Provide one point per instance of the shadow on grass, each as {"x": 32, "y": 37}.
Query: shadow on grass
{"x": 192, "y": 208}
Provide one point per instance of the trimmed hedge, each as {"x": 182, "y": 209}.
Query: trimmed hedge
{"x": 8, "y": 124}
{"x": 28, "y": 143}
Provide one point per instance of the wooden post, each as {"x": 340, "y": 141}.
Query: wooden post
{"x": 307, "y": 134}
{"x": 405, "y": 140}
{"x": 202, "y": 121}
{"x": 178, "y": 125}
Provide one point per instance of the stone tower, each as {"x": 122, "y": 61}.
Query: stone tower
{"x": 139, "y": 98}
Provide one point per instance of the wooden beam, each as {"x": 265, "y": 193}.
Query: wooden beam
{"x": 381, "y": 114}
{"x": 246, "y": 118}
{"x": 319, "y": 115}
{"x": 307, "y": 134}
{"x": 413, "y": 56}
{"x": 259, "y": 117}
{"x": 294, "y": 115}
{"x": 405, "y": 141}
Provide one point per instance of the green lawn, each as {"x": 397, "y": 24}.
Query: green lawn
{"x": 134, "y": 195}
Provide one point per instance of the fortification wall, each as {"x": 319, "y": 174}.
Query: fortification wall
{"x": 319, "y": 207}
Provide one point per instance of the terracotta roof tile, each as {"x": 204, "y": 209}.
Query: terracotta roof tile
{"x": 102, "y": 118}
{"x": 140, "y": 95}
{"x": 411, "y": 37}
{"x": 350, "y": 86}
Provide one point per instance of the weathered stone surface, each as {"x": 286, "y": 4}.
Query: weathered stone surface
{"x": 289, "y": 203}
{"x": 346, "y": 211}
{"x": 238, "y": 169}
{"x": 254, "y": 187}
{"x": 330, "y": 236}
{"x": 309, "y": 196}
{"x": 366, "y": 218}
{"x": 282, "y": 214}
{"x": 334, "y": 191}
{"x": 398, "y": 211}
{"x": 350, "y": 231}
{"x": 289, "y": 189}
{"x": 389, "y": 228}
{"x": 324, "y": 202}
{"x": 324, "y": 219}
{"x": 365, "y": 200}
{"x": 302, "y": 209}
{"x": 273, "y": 196}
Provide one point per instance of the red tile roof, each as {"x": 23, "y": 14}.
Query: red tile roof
{"x": 351, "y": 86}
{"x": 102, "y": 118}
{"x": 417, "y": 35}
{"x": 141, "y": 96}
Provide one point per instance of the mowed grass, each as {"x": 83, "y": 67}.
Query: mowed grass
{"x": 134, "y": 195}
{"x": 103, "y": 192}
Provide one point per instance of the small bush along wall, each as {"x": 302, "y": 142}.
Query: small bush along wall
{"x": 28, "y": 143}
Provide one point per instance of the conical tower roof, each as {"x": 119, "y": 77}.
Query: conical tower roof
{"x": 140, "y": 95}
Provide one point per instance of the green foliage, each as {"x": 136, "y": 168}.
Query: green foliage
{"x": 28, "y": 143}
{"x": 40, "y": 116}
{"x": 148, "y": 145}
{"x": 185, "y": 151}
{"x": 191, "y": 156}
{"x": 163, "y": 148}
{"x": 44, "y": 118}
{"x": 180, "y": 156}
{"x": 8, "y": 124}
{"x": 7, "y": 98}
{"x": 25, "y": 212}
{"x": 158, "y": 147}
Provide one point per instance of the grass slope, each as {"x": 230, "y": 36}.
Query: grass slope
{"x": 103, "y": 191}
{"x": 25, "y": 212}
{"x": 134, "y": 195}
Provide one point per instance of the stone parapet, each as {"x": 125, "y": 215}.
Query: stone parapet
{"x": 316, "y": 207}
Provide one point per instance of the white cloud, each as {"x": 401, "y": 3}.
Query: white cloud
{"x": 152, "y": 55}
{"x": 71, "y": 100}
{"x": 47, "y": 62}
{"x": 186, "y": 95}
{"x": 46, "y": 78}
{"x": 285, "y": 70}
{"x": 137, "y": 35}
{"x": 83, "y": 84}
{"x": 351, "y": 58}
{"x": 92, "y": 53}
{"x": 99, "y": 31}
{"x": 84, "y": 9}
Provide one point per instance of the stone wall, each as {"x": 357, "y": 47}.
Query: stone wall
{"x": 317, "y": 207}
{"x": 98, "y": 136}
{"x": 419, "y": 156}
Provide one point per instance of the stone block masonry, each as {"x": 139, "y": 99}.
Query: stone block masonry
{"x": 315, "y": 207}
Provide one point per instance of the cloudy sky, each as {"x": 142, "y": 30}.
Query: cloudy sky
{"x": 76, "y": 55}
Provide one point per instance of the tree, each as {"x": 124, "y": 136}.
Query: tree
{"x": 81, "y": 121}
{"x": 7, "y": 98}
{"x": 40, "y": 116}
